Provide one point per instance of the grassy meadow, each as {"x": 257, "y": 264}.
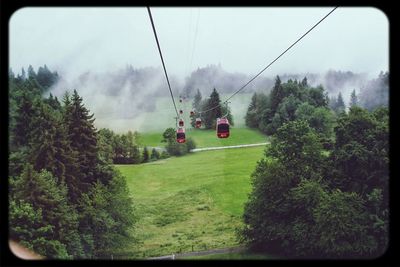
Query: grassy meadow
{"x": 195, "y": 201}
{"x": 208, "y": 138}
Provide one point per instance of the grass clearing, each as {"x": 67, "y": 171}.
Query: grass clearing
{"x": 196, "y": 200}
{"x": 208, "y": 138}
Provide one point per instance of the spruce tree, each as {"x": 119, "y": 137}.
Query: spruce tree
{"x": 83, "y": 141}
{"x": 340, "y": 106}
{"x": 276, "y": 96}
{"x": 353, "y": 99}
{"x": 155, "y": 155}
{"x": 197, "y": 101}
{"x": 145, "y": 155}
{"x": 304, "y": 82}
{"x": 251, "y": 115}
{"x": 212, "y": 103}
{"x": 25, "y": 113}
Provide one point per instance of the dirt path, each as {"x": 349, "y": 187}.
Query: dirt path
{"x": 225, "y": 147}
{"x": 199, "y": 253}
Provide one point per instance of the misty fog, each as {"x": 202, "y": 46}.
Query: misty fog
{"x": 138, "y": 98}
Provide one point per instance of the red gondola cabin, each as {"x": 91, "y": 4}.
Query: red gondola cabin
{"x": 180, "y": 111}
{"x": 180, "y": 135}
{"x": 198, "y": 123}
{"x": 222, "y": 128}
{"x": 191, "y": 113}
{"x": 180, "y": 123}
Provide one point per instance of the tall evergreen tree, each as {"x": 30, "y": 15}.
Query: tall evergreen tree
{"x": 23, "y": 74}
{"x": 25, "y": 113}
{"x": 155, "y": 155}
{"x": 277, "y": 95}
{"x": 31, "y": 72}
{"x": 83, "y": 140}
{"x": 145, "y": 157}
{"x": 353, "y": 99}
{"x": 252, "y": 111}
{"x": 197, "y": 101}
{"x": 211, "y": 116}
{"x": 340, "y": 106}
{"x": 304, "y": 82}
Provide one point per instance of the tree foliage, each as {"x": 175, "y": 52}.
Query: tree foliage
{"x": 211, "y": 116}
{"x": 57, "y": 160}
{"x": 311, "y": 204}
{"x": 288, "y": 102}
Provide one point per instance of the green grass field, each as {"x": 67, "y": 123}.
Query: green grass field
{"x": 208, "y": 138}
{"x": 195, "y": 200}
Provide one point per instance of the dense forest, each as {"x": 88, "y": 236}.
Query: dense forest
{"x": 321, "y": 190}
{"x": 66, "y": 200}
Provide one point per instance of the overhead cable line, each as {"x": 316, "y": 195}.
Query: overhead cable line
{"x": 162, "y": 60}
{"x": 258, "y": 74}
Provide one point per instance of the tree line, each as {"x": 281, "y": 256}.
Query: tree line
{"x": 310, "y": 199}
{"x": 65, "y": 199}
{"x": 126, "y": 148}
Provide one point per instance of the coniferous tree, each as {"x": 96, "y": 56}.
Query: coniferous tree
{"x": 25, "y": 113}
{"x": 211, "y": 116}
{"x": 42, "y": 145}
{"x": 277, "y": 95}
{"x": 23, "y": 74}
{"x": 83, "y": 141}
{"x": 53, "y": 102}
{"x": 155, "y": 155}
{"x": 304, "y": 82}
{"x": 252, "y": 111}
{"x": 197, "y": 101}
{"x": 31, "y": 72}
{"x": 353, "y": 99}
{"x": 145, "y": 155}
{"x": 340, "y": 106}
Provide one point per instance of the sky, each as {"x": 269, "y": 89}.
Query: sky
{"x": 241, "y": 39}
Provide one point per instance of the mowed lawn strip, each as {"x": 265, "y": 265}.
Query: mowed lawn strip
{"x": 195, "y": 201}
